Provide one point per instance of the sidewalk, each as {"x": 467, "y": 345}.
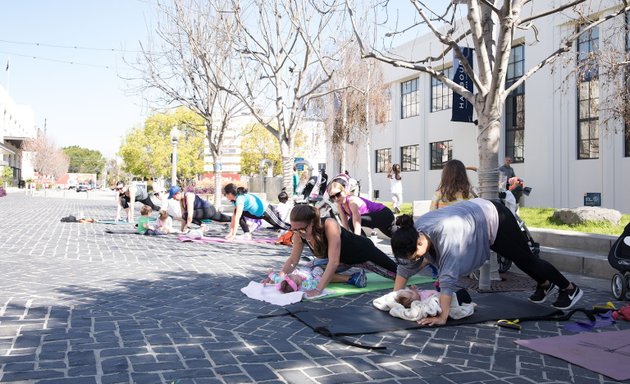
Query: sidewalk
{"x": 78, "y": 305}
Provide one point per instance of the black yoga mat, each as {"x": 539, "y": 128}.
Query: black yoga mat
{"x": 353, "y": 320}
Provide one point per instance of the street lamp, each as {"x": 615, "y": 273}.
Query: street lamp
{"x": 174, "y": 140}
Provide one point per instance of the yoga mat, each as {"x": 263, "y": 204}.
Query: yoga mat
{"x": 121, "y": 231}
{"x": 510, "y": 281}
{"x": 208, "y": 240}
{"x": 366, "y": 319}
{"x": 607, "y": 353}
{"x": 111, "y": 222}
{"x": 374, "y": 283}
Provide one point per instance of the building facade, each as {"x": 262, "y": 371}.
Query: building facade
{"x": 565, "y": 143}
{"x": 17, "y": 124}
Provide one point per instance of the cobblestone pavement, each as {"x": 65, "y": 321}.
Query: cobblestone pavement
{"x": 81, "y": 306}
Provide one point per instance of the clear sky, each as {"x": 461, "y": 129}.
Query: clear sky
{"x": 77, "y": 93}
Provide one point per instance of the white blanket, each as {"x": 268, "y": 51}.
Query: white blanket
{"x": 270, "y": 294}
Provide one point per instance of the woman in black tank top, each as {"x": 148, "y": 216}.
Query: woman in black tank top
{"x": 328, "y": 240}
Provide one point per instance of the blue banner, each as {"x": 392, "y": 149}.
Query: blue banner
{"x": 462, "y": 110}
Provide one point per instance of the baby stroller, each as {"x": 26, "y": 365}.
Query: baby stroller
{"x": 508, "y": 199}
{"x": 619, "y": 258}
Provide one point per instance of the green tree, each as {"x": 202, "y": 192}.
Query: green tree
{"x": 146, "y": 151}
{"x": 84, "y": 160}
{"x": 258, "y": 144}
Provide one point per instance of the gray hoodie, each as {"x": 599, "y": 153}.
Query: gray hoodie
{"x": 460, "y": 236}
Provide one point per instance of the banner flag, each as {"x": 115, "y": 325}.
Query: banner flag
{"x": 462, "y": 109}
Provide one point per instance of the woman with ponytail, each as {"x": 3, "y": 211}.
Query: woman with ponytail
{"x": 248, "y": 205}
{"x": 458, "y": 239}
{"x": 340, "y": 247}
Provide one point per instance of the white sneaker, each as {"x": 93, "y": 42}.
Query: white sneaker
{"x": 247, "y": 236}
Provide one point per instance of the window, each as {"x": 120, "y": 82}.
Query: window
{"x": 383, "y": 160}
{"x": 441, "y": 95}
{"x": 515, "y": 106}
{"x": 409, "y": 103}
{"x": 441, "y": 152}
{"x": 384, "y": 112}
{"x": 409, "y": 158}
{"x": 627, "y": 107}
{"x": 588, "y": 95}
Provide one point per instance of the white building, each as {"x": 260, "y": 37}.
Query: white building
{"x": 562, "y": 148}
{"x": 17, "y": 124}
{"x": 314, "y": 149}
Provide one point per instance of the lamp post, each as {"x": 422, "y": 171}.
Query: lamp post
{"x": 174, "y": 140}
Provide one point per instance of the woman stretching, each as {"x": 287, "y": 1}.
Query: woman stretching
{"x": 328, "y": 240}
{"x": 356, "y": 211}
{"x": 458, "y": 239}
{"x": 194, "y": 208}
{"x": 248, "y": 205}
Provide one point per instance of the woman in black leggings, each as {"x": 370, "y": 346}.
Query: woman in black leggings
{"x": 458, "y": 238}
{"x": 328, "y": 240}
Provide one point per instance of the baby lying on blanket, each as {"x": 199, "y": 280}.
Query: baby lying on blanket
{"x": 299, "y": 280}
{"x": 414, "y": 304}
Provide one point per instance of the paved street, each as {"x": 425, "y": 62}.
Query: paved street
{"x": 78, "y": 305}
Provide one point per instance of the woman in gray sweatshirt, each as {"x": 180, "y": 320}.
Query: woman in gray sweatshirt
{"x": 458, "y": 239}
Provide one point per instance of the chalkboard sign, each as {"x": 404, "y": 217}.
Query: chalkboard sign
{"x": 593, "y": 199}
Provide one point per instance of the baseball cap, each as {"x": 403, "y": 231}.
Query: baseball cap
{"x": 172, "y": 191}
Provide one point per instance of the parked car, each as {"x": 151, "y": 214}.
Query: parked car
{"x": 82, "y": 188}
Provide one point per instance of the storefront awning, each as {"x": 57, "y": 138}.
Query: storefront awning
{"x": 4, "y": 150}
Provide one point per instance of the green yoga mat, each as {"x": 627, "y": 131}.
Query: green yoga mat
{"x": 374, "y": 283}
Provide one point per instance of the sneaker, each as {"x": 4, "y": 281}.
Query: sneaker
{"x": 567, "y": 298}
{"x": 541, "y": 294}
{"x": 247, "y": 236}
{"x": 358, "y": 279}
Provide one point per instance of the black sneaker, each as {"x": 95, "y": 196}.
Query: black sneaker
{"x": 541, "y": 294}
{"x": 567, "y": 298}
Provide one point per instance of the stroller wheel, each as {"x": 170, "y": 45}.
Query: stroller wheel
{"x": 627, "y": 285}
{"x": 504, "y": 264}
{"x": 618, "y": 286}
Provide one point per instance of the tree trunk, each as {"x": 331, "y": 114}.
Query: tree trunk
{"x": 218, "y": 193}
{"x": 287, "y": 166}
{"x": 488, "y": 148}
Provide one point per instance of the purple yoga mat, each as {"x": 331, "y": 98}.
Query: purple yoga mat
{"x": 208, "y": 239}
{"x": 607, "y": 353}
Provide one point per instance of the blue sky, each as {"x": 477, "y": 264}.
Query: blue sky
{"x": 78, "y": 93}
{"x": 85, "y": 103}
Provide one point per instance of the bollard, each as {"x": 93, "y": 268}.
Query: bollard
{"x": 484, "y": 277}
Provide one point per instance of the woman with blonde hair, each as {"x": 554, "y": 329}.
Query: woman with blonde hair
{"x": 357, "y": 212}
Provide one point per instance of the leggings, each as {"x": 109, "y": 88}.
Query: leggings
{"x": 270, "y": 215}
{"x": 207, "y": 213}
{"x": 124, "y": 201}
{"x": 383, "y": 220}
{"x": 511, "y": 243}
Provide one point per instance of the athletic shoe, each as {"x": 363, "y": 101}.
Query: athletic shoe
{"x": 358, "y": 279}
{"x": 541, "y": 294}
{"x": 247, "y": 236}
{"x": 567, "y": 298}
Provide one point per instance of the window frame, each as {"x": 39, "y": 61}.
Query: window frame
{"x": 626, "y": 123}
{"x": 413, "y": 164}
{"x": 514, "y": 122}
{"x": 409, "y": 98}
{"x": 382, "y": 164}
{"x": 433, "y": 151}
{"x": 446, "y": 95}
{"x": 587, "y": 140}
